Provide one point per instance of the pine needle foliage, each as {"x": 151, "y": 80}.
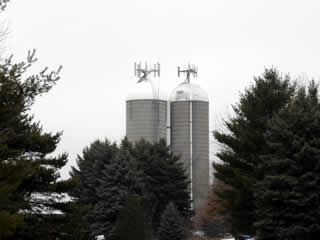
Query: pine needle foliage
{"x": 130, "y": 220}
{"x": 25, "y": 165}
{"x": 243, "y": 142}
{"x": 288, "y": 197}
{"x": 119, "y": 179}
{"x": 171, "y": 225}
{"x": 164, "y": 178}
{"x": 107, "y": 175}
{"x": 9, "y": 223}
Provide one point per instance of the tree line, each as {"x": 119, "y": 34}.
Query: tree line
{"x": 268, "y": 175}
{"x": 143, "y": 174}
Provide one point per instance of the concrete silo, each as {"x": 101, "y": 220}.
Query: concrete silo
{"x": 146, "y": 111}
{"x": 189, "y": 138}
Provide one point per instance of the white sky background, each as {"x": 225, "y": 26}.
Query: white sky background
{"x": 97, "y": 42}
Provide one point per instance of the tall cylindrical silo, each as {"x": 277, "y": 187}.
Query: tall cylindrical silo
{"x": 189, "y": 138}
{"x": 146, "y": 113}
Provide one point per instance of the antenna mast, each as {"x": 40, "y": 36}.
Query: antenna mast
{"x": 190, "y": 70}
{"x": 143, "y": 72}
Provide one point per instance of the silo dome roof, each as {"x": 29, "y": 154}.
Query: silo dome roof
{"x": 145, "y": 90}
{"x": 188, "y": 92}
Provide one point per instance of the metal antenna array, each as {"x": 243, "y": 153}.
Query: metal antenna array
{"x": 143, "y": 72}
{"x": 192, "y": 69}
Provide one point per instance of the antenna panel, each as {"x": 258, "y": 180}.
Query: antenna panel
{"x": 143, "y": 73}
{"x": 139, "y": 69}
{"x": 190, "y": 69}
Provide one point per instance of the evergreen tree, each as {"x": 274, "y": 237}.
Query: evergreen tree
{"x": 244, "y": 142}
{"x": 86, "y": 179}
{"x": 130, "y": 220}
{"x": 107, "y": 176}
{"x": 288, "y": 197}
{"x": 165, "y": 180}
{"x": 11, "y": 177}
{"x": 171, "y": 226}
{"x": 120, "y": 178}
{"x": 90, "y": 165}
{"x": 25, "y": 167}
{"x": 9, "y": 223}
{"x": 75, "y": 223}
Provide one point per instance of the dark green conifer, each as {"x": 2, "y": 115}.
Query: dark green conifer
{"x": 90, "y": 165}
{"x": 146, "y": 170}
{"x": 164, "y": 178}
{"x": 130, "y": 220}
{"x": 86, "y": 180}
{"x": 119, "y": 179}
{"x": 244, "y": 142}
{"x": 26, "y": 168}
{"x": 171, "y": 225}
{"x": 288, "y": 197}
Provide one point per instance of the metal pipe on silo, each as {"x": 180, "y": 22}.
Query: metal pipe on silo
{"x": 191, "y": 172}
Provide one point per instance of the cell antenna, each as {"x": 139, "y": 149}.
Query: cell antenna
{"x": 138, "y": 71}
{"x": 190, "y": 70}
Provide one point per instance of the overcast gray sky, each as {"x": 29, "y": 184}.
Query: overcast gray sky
{"x": 97, "y": 42}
